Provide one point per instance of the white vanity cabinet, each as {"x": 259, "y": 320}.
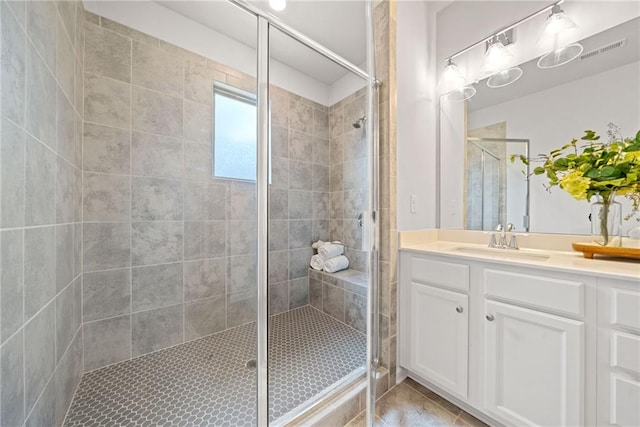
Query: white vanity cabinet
{"x": 439, "y": 323}
{"x": 618, "y": 352}
{"x": 515, "y": 345}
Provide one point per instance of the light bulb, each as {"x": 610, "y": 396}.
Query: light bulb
{"x": 559, "y": 30}
{"x": 452, "y": 78}
{"x": 497, "y": 57}
{"x": 278, "y": 5}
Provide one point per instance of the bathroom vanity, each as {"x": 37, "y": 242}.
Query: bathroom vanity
{"x": 538, "y": 336}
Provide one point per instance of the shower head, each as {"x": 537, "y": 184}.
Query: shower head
{"x": 360, "y": 122}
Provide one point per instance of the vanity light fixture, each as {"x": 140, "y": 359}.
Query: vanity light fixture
{"x": 278, "y": 5}
{"x": 559, "y": 30}
{"x": 497, "y": 57}
{"x": 504, "y": 77}
{"x": 453, "y": 83}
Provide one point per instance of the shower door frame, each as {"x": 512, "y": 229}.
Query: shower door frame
{"x": 264, "y": 22}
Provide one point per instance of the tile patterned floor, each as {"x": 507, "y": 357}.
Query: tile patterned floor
{"x": 411, "y": 404}
{"x": 206, "y": 382}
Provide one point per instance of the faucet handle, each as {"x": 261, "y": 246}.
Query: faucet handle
{"x": 510, "y": 227}
{"x": 513, "y": 243}
{"x": 499, "y": 227}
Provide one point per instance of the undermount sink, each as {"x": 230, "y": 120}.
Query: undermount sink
{"x": 503, "y": 253}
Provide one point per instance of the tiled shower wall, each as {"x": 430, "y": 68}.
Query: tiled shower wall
{"x": 169, "y": 251}
{"x": 349, "y": 175}
{"x": 40, "y": 185}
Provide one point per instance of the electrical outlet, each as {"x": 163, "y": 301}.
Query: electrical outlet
{"x": 413, "y": 203}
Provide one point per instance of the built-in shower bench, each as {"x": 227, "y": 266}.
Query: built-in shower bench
{"x": 342, "y": 295}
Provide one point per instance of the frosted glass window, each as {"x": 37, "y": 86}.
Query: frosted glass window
{"x": 235, "y": 134}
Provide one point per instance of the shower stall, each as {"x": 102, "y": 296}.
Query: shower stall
{"x": 173, "y": 189}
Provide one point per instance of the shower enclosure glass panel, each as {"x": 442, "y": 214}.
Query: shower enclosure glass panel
{"x": 319, "y": 191}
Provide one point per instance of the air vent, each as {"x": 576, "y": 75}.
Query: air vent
{"x": 603, "y": 49}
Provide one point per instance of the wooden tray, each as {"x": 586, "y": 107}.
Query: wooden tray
{"x": 590, "y": 249}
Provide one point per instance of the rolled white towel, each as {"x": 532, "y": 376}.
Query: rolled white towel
{"x": 317, "y": 244}
{"x": 330, "y": 250}
{"x": 336, "y": 264}
{"x": 317, "y": 263}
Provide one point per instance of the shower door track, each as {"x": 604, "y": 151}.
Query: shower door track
{"x": 265, "y": 21}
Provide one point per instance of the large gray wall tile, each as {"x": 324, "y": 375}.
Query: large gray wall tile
{"x": 198, "y": 122}
{"x": 204, "y": 240}
{"x": 12, "y": 384}
{"x": 13, "y": 51}
{"x": 12, "y": 174}
{"x": 106, "y": 245}
{"x": 67, "y": 377}
{"x": 204, "y": 201}
{"x": 156, "y": 156}
{"x": 298, "y": 293}
{"x": 44, "y": 411}
{"x": 204, "y": 278}
{"x": 106, "y": 341}
{"x": 40, "y": 184}
{"x": 41, "y": 27}
{"x": 107, "y": 101}
{"x": 156, "y": 242}
{"x": 204, "y": 317}
{"x": 106, "y": 149}
{"x": 40, "y": 355}
{"x": 156, "y": 286}
{"x": 64, "y": 320}
{"x": 64, "y": 256}
{"x": 241, "y": 308}
{"x": 11, "y": 282}
{"x": 154, "y": 68}
{"x": 65, "y": 176}
{"x": 106, "y": 294}
{"x": 39, "y": 268}
{"x": 333, "y": 301}
{"x": 154, "y": 112}
{"x": 157, "y": 329}
{"x": 241, "y": 274}
{"x": 107, "y": 53}
{"x": 155, "y": 199}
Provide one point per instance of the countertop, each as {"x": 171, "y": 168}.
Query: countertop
{"x": 438, "y": 242}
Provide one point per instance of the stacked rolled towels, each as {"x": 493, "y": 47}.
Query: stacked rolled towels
{"x": 330, "y": 257}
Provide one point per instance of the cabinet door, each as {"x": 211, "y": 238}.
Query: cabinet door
{"x": 534, "y": 367}
{"x": 439, "y": 337}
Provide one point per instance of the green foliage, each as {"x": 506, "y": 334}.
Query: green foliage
{"x": 596, "y": 168}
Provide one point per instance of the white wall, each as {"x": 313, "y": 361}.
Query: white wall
{"x": 551, "y": 118}
{"x": 416, "y": 119}
{"x": 158, "y": 21}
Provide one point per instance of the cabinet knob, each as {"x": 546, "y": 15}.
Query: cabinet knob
{"x": 489, "y": 317}
{"x": 459, "y": 309}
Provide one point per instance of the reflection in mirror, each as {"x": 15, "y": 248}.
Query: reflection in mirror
{"x": 496, "y": 190}
{"x": 547, "y": 108}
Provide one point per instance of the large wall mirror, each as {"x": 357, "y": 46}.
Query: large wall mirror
{"x": 480, "y": 187}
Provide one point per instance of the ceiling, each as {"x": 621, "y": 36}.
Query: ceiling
{"x": 536, "y": 80}
{"x": 339, "y": 25}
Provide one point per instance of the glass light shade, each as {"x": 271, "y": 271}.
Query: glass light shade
{"x": 278, "y": 5}
{"x": 560, "y": 56}
{"x": 452, "y": 78}
{"x": 461, "y": 94}
{"x": 559, "y": 30}
{"x": 497, "y": 58}
{"x": 505, "y": 77}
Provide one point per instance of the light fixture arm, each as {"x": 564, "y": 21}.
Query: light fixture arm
{"x": 507, "y": 28}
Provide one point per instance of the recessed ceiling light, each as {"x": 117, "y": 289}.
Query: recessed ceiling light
{"x": 278, "y": 5}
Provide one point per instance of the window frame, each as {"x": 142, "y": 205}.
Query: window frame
{"x": 236, "y": 94}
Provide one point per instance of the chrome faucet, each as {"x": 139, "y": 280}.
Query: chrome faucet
{"x": 502, "y": 241}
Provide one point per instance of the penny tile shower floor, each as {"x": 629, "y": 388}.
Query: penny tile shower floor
{"x": 206, "y": 381}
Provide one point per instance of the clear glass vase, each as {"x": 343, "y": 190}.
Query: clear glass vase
{"x": 606, "y": 221}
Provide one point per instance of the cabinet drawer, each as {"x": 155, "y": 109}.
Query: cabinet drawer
{"x": 625, "y": 395}
{"x": 625, "y": 308}
{"x": 455, "y": 276}
{"x": 625, "y": 351}
{"x": 550, "y": 293}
